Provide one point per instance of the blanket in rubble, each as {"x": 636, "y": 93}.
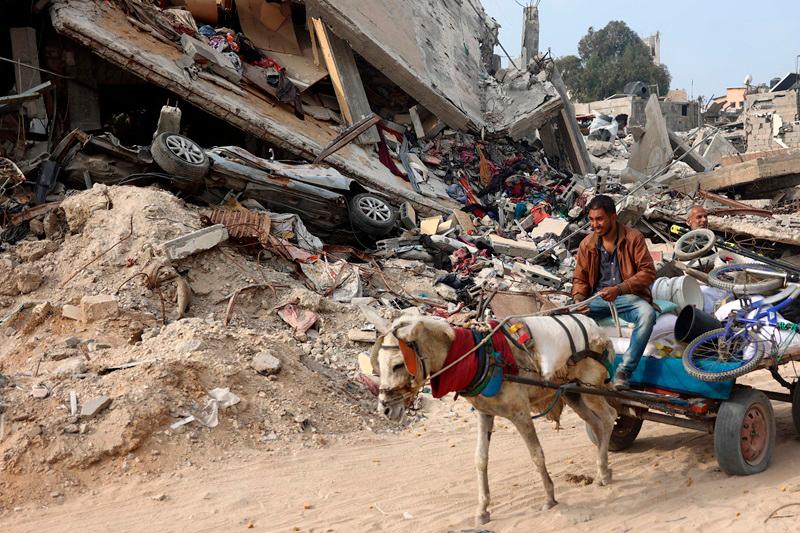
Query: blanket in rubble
{"x": 461, "y": 375}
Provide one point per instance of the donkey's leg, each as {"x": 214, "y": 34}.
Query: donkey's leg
{"x": 485, "y": 426}
{"x": 524, "y": 425}
{"x": 585, "y": 407}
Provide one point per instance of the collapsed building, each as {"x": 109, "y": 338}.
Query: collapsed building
{"x": 339, "y": 64}
{"x": 201, "y": 277}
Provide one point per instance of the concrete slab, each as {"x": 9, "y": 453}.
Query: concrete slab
{"x": 95, "y": 406}
{"x": 195, "y": 242}
{"x": 719, "y": 147}
{"x": 653, "y": 151}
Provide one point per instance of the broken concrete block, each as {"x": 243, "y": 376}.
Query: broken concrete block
{"x": 265, "y": 363}
{"x": 94, "y": 406}
{"x": 360, "y": 335}
{"x": 464, "y": 220}
{"x": 98, "y": 307}
{"x": 718, "y": 148}
{"x": 73, "y": 312}
{"x": 40, "y": 392}
{"x": 514, "y": 248}
{"x": 195, "y": 242}
{"x": 70, "y": 367}
{"x": 202, "y": 54}
{"x": 28, "y": 279}
{"x": 27, "y": 251}
{"x": 550, "y": 225}
{"x": 430, "y": 225}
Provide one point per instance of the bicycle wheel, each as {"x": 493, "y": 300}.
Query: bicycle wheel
{"x": 749, "y": 278}
{"x": 715, "y": 356}
{"x": 694, "y": 244}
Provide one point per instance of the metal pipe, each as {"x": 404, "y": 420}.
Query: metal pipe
{"x": 706, "y": 426}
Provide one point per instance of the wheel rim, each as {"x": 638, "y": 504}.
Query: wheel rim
{"x": 717, "y": 354}
{"x": 374, "y": 209}
{"x": 185, "y": 149}
{"x": 695, "y": 243}
{"x": 743, "y": 275}
{"x": 754, "y": 434}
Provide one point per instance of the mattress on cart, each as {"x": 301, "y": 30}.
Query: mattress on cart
{"x": 668, "y": 373}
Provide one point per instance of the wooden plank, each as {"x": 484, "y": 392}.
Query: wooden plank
{"x": 24, "y": 50}
{"x": 346, "y": 79}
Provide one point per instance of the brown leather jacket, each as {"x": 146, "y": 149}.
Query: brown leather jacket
{"x": 635, "y": 265}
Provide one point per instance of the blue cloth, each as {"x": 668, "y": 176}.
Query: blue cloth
{"x": 637, "y": 311}
{"x": 207, "y": 30}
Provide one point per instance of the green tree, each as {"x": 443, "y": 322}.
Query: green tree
{"x": 607, "y": 60}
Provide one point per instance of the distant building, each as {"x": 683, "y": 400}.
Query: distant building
{"x": 732, "y": 100}
{"x": 653, "y": 43}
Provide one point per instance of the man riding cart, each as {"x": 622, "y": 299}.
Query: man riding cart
{"x": 615, "y": 264}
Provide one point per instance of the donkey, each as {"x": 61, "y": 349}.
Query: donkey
{"x": 431, "y": 340}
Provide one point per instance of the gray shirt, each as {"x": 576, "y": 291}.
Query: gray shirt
{"x": 609, "y": 267}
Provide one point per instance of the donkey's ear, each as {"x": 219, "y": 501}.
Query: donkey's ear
{"x": 382, "y": 325}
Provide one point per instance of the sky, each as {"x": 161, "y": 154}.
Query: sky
{"x": 708, "y": 45}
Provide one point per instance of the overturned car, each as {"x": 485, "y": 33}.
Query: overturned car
{"x": 324, "y": 198}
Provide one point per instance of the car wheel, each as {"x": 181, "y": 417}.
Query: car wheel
{"x": 372, "y": 214}
{"x": 179, "y": 155}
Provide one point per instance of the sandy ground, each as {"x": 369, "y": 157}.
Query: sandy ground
{"x": 423, "y": 480}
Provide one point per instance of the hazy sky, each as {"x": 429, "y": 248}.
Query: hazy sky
{"x": 714, "y": 43}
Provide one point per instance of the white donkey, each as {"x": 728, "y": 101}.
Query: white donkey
{"x": 412, "y": 349}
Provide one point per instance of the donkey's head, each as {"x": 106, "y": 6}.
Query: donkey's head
{"x": 412, "y": 349}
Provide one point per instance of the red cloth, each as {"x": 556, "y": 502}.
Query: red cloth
{"x": 461, "y": 375}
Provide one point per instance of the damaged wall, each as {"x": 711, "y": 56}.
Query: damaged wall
{"x": 771, "y": 121}
{"x": 431, "y": 50}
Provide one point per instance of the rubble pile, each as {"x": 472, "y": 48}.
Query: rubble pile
{"x": 186, "y": 276}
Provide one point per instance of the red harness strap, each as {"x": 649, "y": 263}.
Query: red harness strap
{"x": 461, "y": 375}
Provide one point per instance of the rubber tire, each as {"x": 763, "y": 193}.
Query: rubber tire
{"x": 717, "y": 376}
{"x": 622, "y": 437}
{"x": 172, "y": 164}
{"x": 796, "y": 406}
{"x": 363, "y": 223}
{"x": 707, "y": 233}
{"x": 742, "y": 288}
{"x": 727, "y": 433}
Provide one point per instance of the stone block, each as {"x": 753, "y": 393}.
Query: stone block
{"x": 73, "y": 312}
{"x": 195, "y": 242}
{"x": 266, "y": 363}
{"x": 98, "y": 307}
{"x": 94, "y": 406}
{"x": 70, "y": 367}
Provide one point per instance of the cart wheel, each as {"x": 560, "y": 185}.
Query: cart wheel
{"x": 625, "y": 431}
{"x": 744, "y": 433}
{"x": 796, "y": 406}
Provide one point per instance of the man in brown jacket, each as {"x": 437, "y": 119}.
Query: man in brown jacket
{"x": 614, "y": 262}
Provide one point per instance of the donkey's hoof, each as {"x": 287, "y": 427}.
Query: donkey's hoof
{"x": 603, "y": 479}
{"x": 482, "y": 518}
{"x": 549, "y": 505}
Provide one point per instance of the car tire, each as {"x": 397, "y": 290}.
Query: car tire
{"x": 372, "y": 214}
{"x": 180, "y": 156}
{"x": 744, "y": 433}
